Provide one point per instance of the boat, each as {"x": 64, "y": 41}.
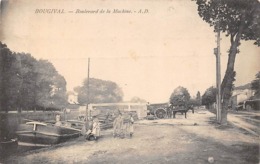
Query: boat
{"x": 8, "y": 147}
{"x": 41, "y": 134}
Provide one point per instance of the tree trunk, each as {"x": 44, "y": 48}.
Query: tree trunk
{"x": 226, "y": 86}
{"x": 3, "y": 85}
{"x": 229, "y": 78}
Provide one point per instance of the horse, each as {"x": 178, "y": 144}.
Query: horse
{"x": 181, "y": 109}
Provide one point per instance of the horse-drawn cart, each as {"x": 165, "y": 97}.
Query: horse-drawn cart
{"x": 161, "y": 111}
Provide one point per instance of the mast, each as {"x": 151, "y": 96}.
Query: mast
{"x": 218, "y": 73}
{"x": 87, "y": 114}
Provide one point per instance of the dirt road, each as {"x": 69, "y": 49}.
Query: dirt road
{"x": 179, "y": 140}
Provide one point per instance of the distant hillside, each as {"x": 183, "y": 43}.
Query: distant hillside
{"x": 242, "y": 87}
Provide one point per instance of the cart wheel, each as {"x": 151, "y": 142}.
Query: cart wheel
{"x": 160, "y": 113}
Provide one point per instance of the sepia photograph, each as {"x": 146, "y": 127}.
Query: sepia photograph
{"x": 130, "y": 81}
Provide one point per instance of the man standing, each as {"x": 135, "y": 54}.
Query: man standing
{"x": 131, "y": 125}
{"x": 117, "y": 125}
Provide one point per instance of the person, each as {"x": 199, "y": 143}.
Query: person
{"x": 91, "y": 129}
{"x": 168, "y": 110}
{"x": 87, "y": 129}
{"x": 118, "y": 125}
{"x": 58, "y": 120}
{"x": 131, "y": 125}
{"x": 96, "y": 128}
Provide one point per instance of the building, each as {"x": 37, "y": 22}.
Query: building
{"x": 139, "y": 108}
{"x": 239, "y": 96}
{"x": 72, "y": 98}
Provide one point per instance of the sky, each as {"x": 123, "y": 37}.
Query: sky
{"x": 147, "y": 54}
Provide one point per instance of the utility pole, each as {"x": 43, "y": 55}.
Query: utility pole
{"x": 87, "y": 90}
{"x": 218, "y": 75}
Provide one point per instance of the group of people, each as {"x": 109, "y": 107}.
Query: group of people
{"x": 91, "y": 129}
{"x": 123, "y": 127}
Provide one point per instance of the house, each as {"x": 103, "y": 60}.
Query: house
{"x": 72, "y": 97}
{"x": 241, "y": 94}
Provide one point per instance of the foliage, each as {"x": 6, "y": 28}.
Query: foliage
{"x": 100, "y": 91}
{"x": 255, "y": 85}
{"x": 194, "y": 102}
{"x": 198, "y": 97}
{"x": 180, "y": 96}
{"x": 26, "y": 83}
{"x": 209, "y": 97}
{"x": 8, "y": 78}
{"x": 230, "y": 15}
{"x": 137, "y": 100}
{"x": 50, "y": 86}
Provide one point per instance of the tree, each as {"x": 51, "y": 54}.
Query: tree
{"x": 180, "y": 96}
{"x": 100, "y": 91}
{"x": 198, "y": 97}
{"x": 239, "y": 20}
{"x": 8, "y": 89}
{"x": 58, "y": 93}
{"x": 255, "y": 85}
{"x": 195, "y": 101}
{"x": 41, "y": 85}
{"x": 209, "y": 97}
{"x": 50, "y": 86}
{"x": 137, "y": 100}
{"x": 26, "y": 83}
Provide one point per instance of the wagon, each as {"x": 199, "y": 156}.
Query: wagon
{"x": 157, "y": 110}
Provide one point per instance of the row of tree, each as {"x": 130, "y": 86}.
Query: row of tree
{"x": 101, "y": 91}
{"x": 209, "y": 97}
{"x": 29, "y": 84}
{"x": 181, "y": 96}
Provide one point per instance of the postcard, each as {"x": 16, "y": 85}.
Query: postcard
{"x": 120, "y": 81}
